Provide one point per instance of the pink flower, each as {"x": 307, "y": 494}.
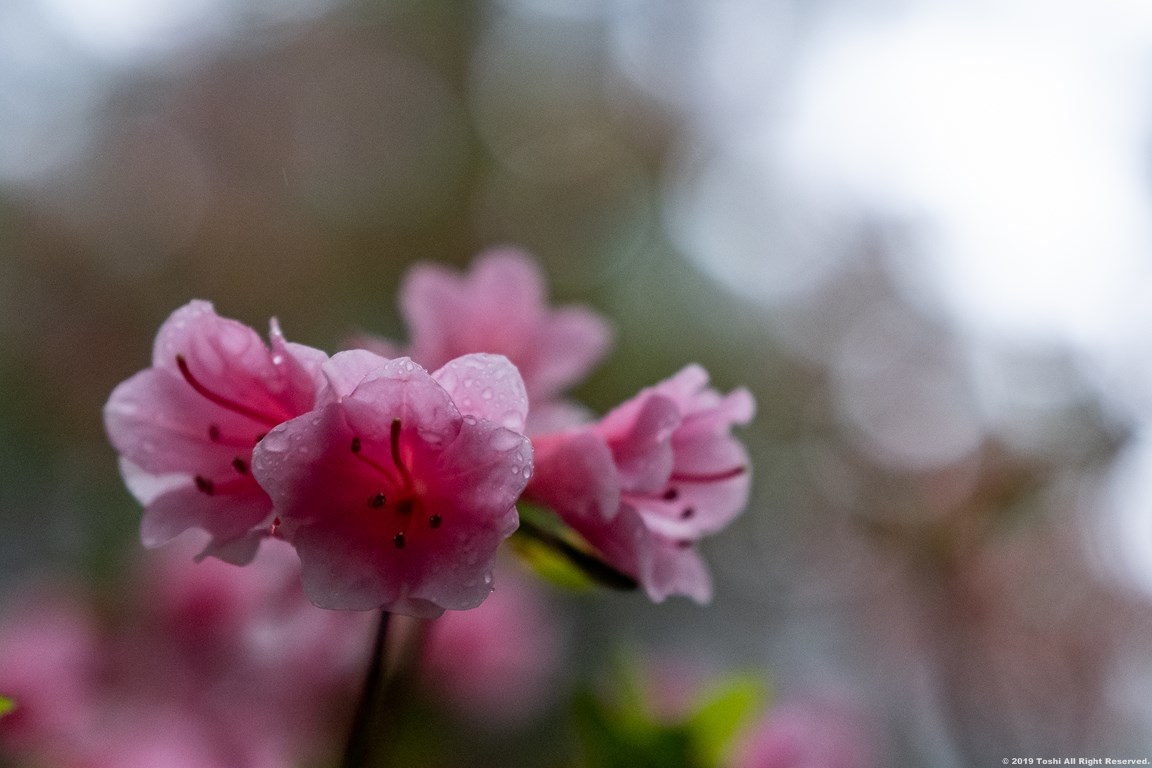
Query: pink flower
{"x": 190, "y": 670}
{"x": 497, "y": 665}
{"x": 499, "y": 307}
{"x": 398, "y": 488}
{"x": 185, "y": 427}
{"x": 48, "y": 666}
{"x": 806, "y": 735}
{"x": 651, "y": 478}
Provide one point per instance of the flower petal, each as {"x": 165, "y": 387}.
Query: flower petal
{"x": 487, "y": 387}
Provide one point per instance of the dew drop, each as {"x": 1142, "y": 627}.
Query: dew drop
{"x": 277, "y": 359}
{"x": 487, "y": 393}
{"x": 505, "y": 440}
{"x": 468, "y": 383}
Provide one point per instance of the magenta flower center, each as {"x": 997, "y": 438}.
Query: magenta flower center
{"x": 399, "y": 494}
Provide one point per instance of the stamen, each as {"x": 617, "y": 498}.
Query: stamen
{"x": 398, "y": 540}
{"x": 394, "y": 444}
{"x": 404, "y": 506}
{"x": 357, "y": 451}
{"x": 687, "y": 513}
{"x": 240, "y": 465}
{"x": 684, "y": 543}
{"x": 214, "y": 433}
{"x": 713, "y": 477}
{"x": 204, "y": 485}
{"x": 671, "y": 494}
{"x": 435, "y": 521}
{"x": 377, "y": 501}
{"x": 274, "y": 529}
{"x": 220, "y": 400}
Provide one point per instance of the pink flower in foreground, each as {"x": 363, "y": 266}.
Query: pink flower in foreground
{"x": 397, "y": 490}
{"x": 185, "y": 427}
{"x": 806, "y": 735}
{"x": 497, "y": 664}
{"x": 499, "y": 307}
{"x": 651, "y": 478}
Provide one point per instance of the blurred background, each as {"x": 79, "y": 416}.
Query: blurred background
{"x": 920, "y": 231}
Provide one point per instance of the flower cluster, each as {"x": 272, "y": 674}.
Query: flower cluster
{"x": 187, "y": 670}
{"x": 395, "y": 470}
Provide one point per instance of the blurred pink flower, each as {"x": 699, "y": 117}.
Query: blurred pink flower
{"x": 499, "y": 306}
{"x": 206, "y": 664}
{"x": 651, "y": 478}
{"x": 498, "y": 664}
{"x": 185, "y": 427}
{"x": 806, "y": 735}
{"x": 48, "y": 666}
{"x": 397, "y": 490}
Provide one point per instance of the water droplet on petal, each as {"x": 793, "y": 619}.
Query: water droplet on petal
{"x": 487, "y": 393}
{"x": 277, "y": 359}
{"x": 505, "y": 440}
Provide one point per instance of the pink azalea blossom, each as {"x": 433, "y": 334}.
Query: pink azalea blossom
{"x": 806, "y": 735}
{"x": 497, "y": 665}
{"x": 651, "y": 478}
{"x": 185, "y": 427}
{"x": 48, "y": 667}
{"x": 499, "y": 307}
{"x": 203, "y": 664}
{"x": 397, "y": 490}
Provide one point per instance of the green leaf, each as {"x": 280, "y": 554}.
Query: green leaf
{"x": 727, "y": 709}
{"x": 610, "y": 738}
{"x": 559, "y": 555}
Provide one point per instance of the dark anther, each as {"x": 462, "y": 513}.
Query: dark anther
{"x": 204, "y": 485}
{"x": 671, "y": 494}
{"x": 435, "y": 521}
{"x": 377, "y": 501}
{"x": 684, "y": 543}
{"x": 214, "y": 433}
{"x": 355, "y": 445}
{"x": 687, "y": 513}
{"x": 240, "y": 465}
{"x": 398, "y": 540}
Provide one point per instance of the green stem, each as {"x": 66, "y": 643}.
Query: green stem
{"x": 362, "y": 733}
